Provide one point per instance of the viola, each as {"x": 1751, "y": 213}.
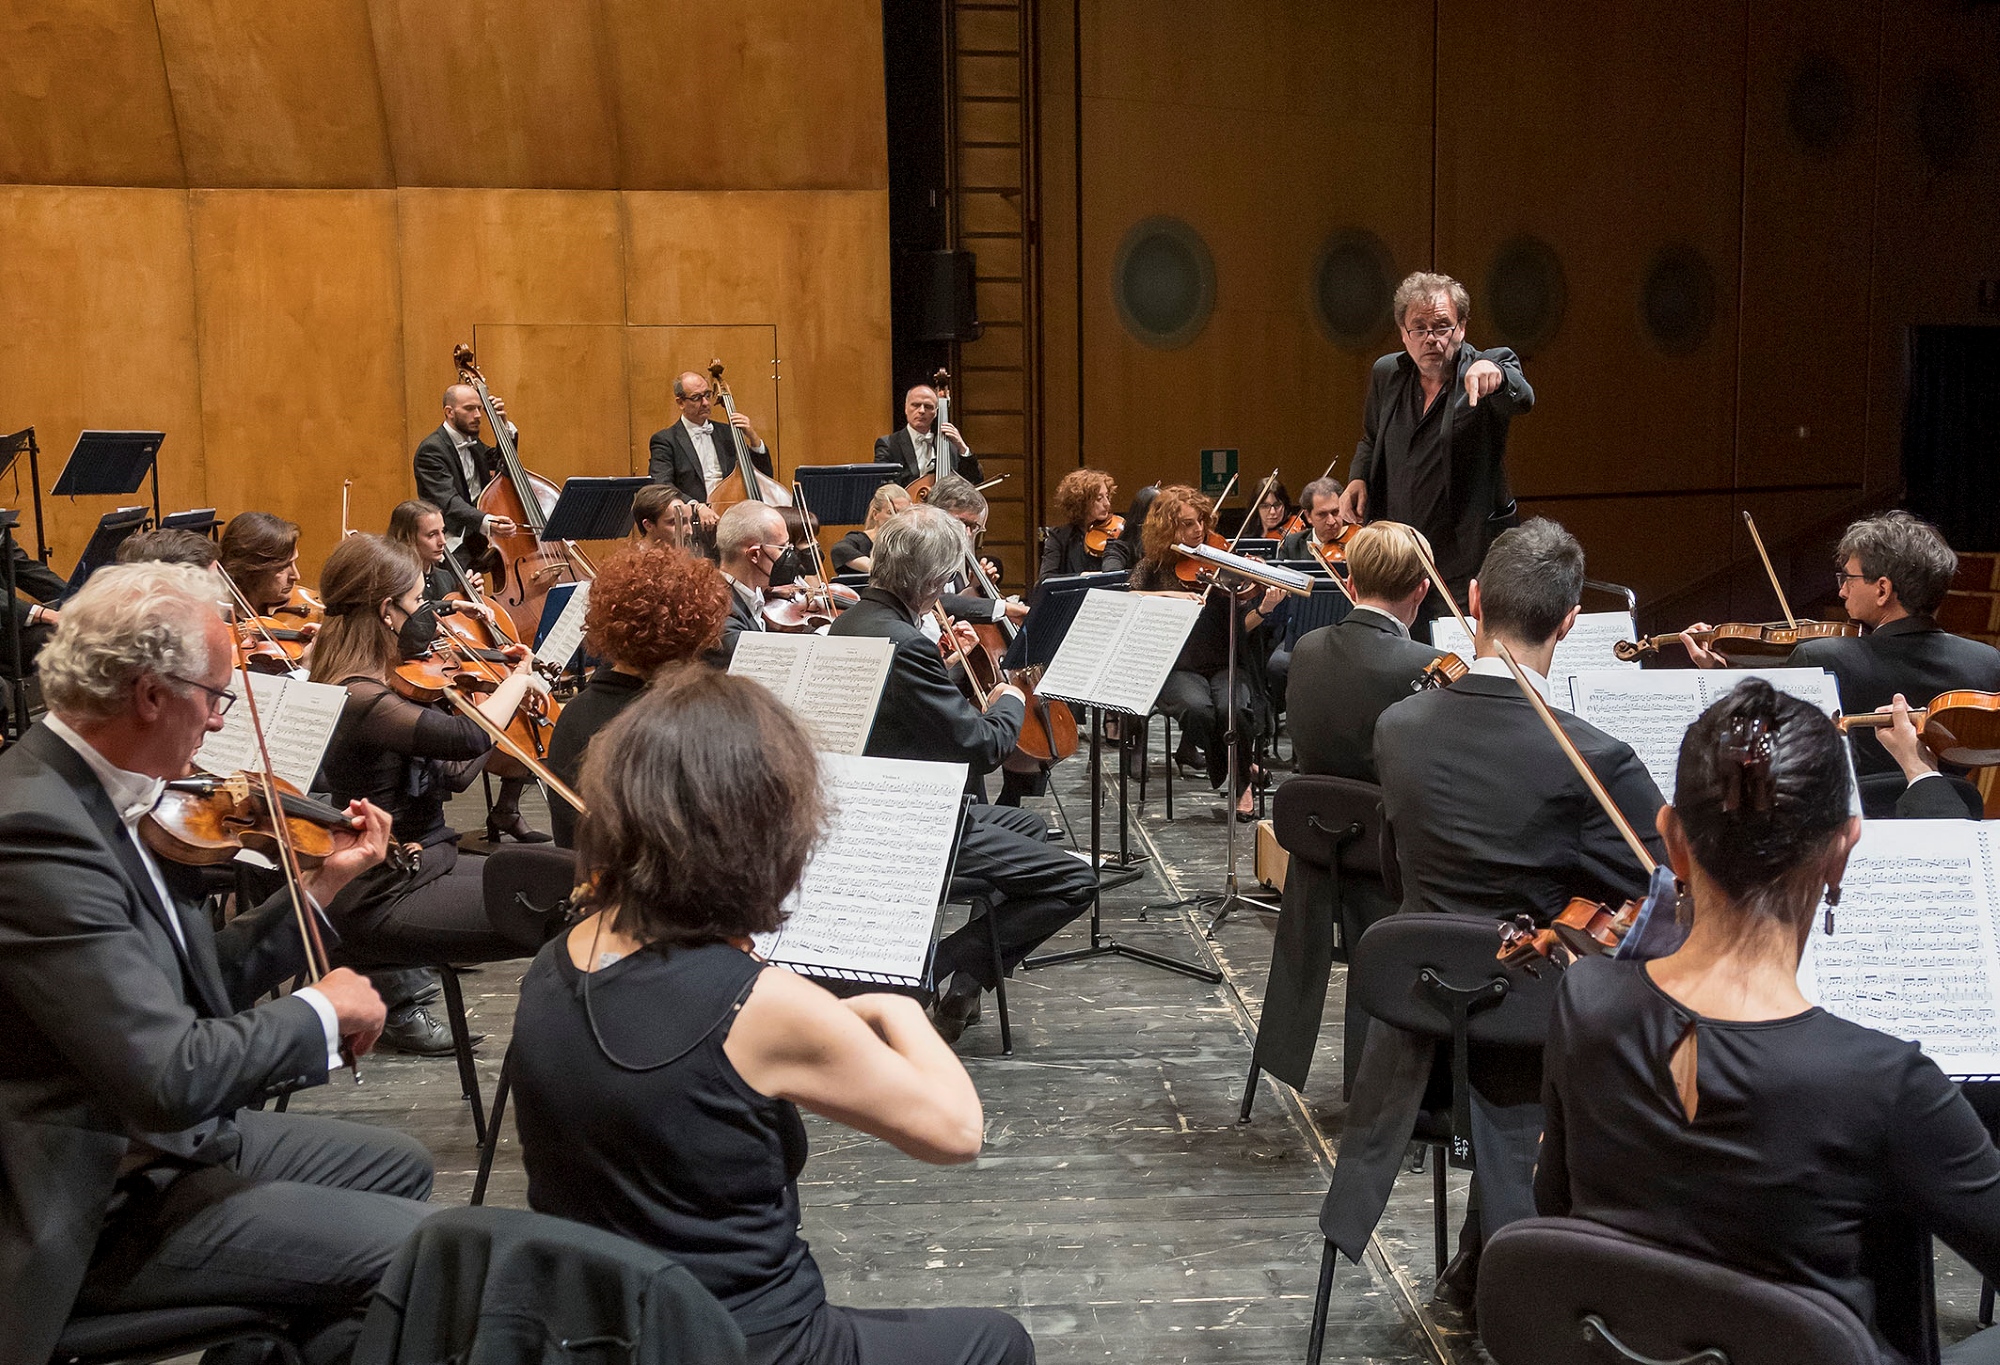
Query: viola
{"x": 1583, "y": 928}
{"x": 1442, "y": 671}
{"x": 1765, "y": 640}
{"x": 203, "y": 821}
{"x": 941, "y": 449}
{"x": 303, "y": 605}
{"x": 1959, "y": 727}
{"x": 1097, "y": 536}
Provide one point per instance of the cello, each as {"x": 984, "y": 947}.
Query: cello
{"x": 736, "y": 485}
{"x": 943, "y": 456}
{"x": 527, "y": 565}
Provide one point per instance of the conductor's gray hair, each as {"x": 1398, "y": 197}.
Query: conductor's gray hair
{"x": 129, "y": 620}
{"x": 1422, "y": 287}
{"x": 917, "y": 552}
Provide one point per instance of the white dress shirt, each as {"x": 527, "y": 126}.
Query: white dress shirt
{"x": 1394, "y": 624}
{"x": 924, "y": 443}
{"x": 132, "y": 796}
{"x": 703, "y": 437}
{"x": 468, "y": 465}
{"x": 754, "y": 596}
{"x": 1493, "y": 666}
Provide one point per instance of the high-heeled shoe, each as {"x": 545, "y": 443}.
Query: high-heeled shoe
{"x": 515, "y": 826}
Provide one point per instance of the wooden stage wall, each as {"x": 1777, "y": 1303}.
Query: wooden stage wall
{"x": 262, "y": 229}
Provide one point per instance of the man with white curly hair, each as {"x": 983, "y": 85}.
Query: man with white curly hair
{"x": 134, "y": 1174}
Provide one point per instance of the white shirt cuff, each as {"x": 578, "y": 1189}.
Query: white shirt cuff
{"x": 328, "y": 1021}
{"x": 486, "y": 527}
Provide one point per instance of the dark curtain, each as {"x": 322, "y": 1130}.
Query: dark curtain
{"x": 1951, "y": 433}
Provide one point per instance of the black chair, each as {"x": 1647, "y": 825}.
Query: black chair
{"x": 1438, "y": 976}
{"x": 155, "y": 1334}
{"x": 1333, "y": 830}
{"x": 981, "y": 896}
{"x": 1562, "y": 1291}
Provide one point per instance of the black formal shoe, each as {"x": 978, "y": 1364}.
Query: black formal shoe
{"x": 1459, "y": 1284}
{"x": 956, "y": 1008}
{"x": 415, "y": 1030}
{"x": 515, "y": 826}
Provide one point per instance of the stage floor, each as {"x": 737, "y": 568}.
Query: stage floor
{"x": 1118, "y": 1209}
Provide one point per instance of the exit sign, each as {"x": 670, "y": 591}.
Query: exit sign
{"x": 1218, "y": 467}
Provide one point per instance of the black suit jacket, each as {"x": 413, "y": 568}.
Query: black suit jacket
{"x": 112, "y": 1031}
{"x": 898, "y": 449}
{"x": 923, "y": 715}
{"x": 1912, "y": 656}
{"x": 1480, "y": 504}
{"x": 441, "y": 483}
{"x": 1490, "y": 818}
{"x": 1343, "y": 678}
{"x": 1939, "y": 798}
{"x": 1065, "y": 552}
{"x": 672, "y": 459}
{"x": 742, "y": 617}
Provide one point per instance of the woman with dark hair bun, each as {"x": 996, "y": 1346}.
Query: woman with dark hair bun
{"x": 1700, "y": 1102}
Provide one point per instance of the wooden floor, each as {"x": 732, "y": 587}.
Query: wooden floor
{"x": 1119, "y": 1209}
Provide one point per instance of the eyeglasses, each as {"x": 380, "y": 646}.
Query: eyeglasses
{"x": 1841, "y": 578}
{"x": 702, "y": 397}
{"x": 1441, "y": 332}
{"x": 220, "y": 699}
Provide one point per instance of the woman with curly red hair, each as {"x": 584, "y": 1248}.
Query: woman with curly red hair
{"x": 1083, "y": 499}
{"x": 650, "y": 607}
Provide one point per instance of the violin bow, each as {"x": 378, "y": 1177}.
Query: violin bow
{"x": 501, "y": 738}
{"x": 1548, "y": 718}
{"x": 1776, "y": 586}
{"x": 1319, "y": 553}
{"x": 958, "y": 648}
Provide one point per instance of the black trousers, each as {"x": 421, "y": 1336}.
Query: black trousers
{"x": 443, "y": 920}
{"x": 1041, "y": 888}
{"x": 305, "y": 1219}
{"x": 1198, "y": 704}
{"x": 893, "y": 1336}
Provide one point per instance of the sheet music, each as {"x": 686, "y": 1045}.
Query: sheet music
{"x": 1119, "y": 649}
{"x": 1912, "y": 952}
{"x": 1586, "y": 647}
{"x": 869, "y": 899}
{"x": 832, "y": 683}
{"x": 1651, "y": 710}
{"x": 559, "y": 646}
{"x": 298, "y": 722}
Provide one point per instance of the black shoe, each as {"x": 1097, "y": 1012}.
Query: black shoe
{"x": 1459, "y": 1285}
{"x": 515, "y": 826}
{"x": 956, "y": 1008}
{"x": 415, "y": 1030}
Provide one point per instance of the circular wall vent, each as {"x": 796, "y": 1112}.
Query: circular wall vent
{"x": 1163, "y": 281}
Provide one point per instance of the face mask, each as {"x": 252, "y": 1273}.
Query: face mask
{"x": 418, "y": 633}
{"x": 785, "y": 568}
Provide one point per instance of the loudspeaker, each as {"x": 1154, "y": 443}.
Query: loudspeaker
{"x": 947, "y": 304}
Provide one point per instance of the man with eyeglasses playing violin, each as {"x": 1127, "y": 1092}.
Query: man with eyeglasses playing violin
{"x": 1434, "y": 431}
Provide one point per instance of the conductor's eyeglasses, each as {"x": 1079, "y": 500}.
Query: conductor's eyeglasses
{"x": 1440, "y": 332}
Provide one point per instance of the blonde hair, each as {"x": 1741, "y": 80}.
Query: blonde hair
{"x": 1383, "y": 560}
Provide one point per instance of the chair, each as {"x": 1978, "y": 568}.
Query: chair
{"x": 1562, "y": 1291}
{"x": 1437, "y": 976}
{"x": 1333, "y": 829}
{"x": 162, "y": 1333}
{"x": 981, "y": 896}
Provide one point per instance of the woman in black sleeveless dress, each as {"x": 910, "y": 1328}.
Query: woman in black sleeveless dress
{"x": 659, "y": 1063}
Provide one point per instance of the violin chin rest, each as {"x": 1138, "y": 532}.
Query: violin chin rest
{"x": 1579, "y": 942}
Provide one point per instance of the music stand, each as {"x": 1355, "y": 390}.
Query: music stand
{"x": 839, "y": 493}
{"x": 201, "y": 520}
{"x": 11, "y": 447}
{"x": 1256, "y": 548}
{"x": 113, "y": 530}
{"x": 112, "y": 463}
{"x": 592, "y": 509}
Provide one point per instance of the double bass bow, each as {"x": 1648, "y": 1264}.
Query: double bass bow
{"x": 525, "y": 565}
{"x": 738, "y": 485}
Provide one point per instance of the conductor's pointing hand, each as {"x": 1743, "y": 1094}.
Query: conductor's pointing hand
{"x": 1481, "y": 378}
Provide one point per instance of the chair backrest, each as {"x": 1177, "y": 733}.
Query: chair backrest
{"x": 1312, "y": 815}
{"x": 526, "y": 888}
{"x": 1386, "y": 968}
{"x": 1560, "y": 1291}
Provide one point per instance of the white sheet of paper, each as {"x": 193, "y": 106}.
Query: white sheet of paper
{"x": 1912, "y": 952}
{"x": 1587, "y": 646}
{"x": 1119, "y": 650}
{"x": 1652, "y": 709}
{"x": 868, "y": 901}
{"x": 298, "y": 719}
{"x": 832, "y": 683}
{"x": 559, "y": 646}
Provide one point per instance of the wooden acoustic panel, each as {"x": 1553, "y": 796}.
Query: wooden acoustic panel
{"x": 301, "y": 365}
{"x": 789, "y": 97}
{"x": 812, "y": 264}
{"x": 481, "y": 257}
{"x": 99, "y": 285}
{"x": 506, "y": 93}
{"x": 564, "y": 386}
{"x": 83, "y": 95}
{"x": 275, "y": 96}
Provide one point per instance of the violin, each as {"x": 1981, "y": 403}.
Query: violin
{"x": 1097, "y": 536}
{"x": 1048, "y": 730}
{"x": 271, "y": 646}
{"x": 1766, "y": 640}
{"x": 1440, "y": 672}
{"x": 1583, "y": 928}
{"x": 203, "y": 821}
{"x": 1193, "y": 572}
{"x": 303, "y": 605}
{"x": 941, "y": 450}
{"x": 1959, "y": 727}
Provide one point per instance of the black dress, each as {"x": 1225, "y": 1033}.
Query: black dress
{"x": 606, "y": 694}
{"x": 1064, "y": 551}
{"x": 1806, "y": 1131}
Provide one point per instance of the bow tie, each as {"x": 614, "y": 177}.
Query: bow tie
{"x": 143, "y": 806}
{"x": 705, "y": 429}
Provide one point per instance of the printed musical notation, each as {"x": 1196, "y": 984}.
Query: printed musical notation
{"x": 1586, "y": 647}
{"x": 1652, "y": 710}
{"x": 298, "y": 720}
{"x": 859, "y": 909}
{"x": 833, "y": 684}
{"x": 1119, "y": 650}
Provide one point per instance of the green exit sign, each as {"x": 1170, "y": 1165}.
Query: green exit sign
{"x": 1218, "y": 467}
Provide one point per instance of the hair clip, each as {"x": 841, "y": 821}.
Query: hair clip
{"x": 1747, "y": 753}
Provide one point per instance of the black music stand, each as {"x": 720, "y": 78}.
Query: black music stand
{"x": 593, "y": 509}
{"x": 11, "y": 448}
{"x": 113, "y": 530}
{"x": 17, "y": 710}
{"x": 1257, "y": 548}
{"x": 839, "y": 493}
{"x": 112, "y": 463}
{"x": 201, "y": 520}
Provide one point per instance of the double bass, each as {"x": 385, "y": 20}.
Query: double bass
{"x": 943, "y": 456}
{"x": 737, "y": 485}
{"x": 526, "y": 565}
